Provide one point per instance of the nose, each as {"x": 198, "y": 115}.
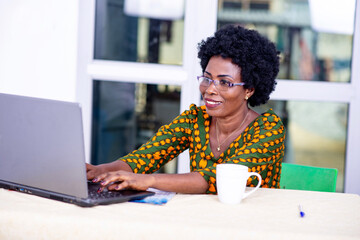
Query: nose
{"x": 211, "y": 89}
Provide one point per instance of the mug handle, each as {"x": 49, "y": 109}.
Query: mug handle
{"x": 246, "y": 194}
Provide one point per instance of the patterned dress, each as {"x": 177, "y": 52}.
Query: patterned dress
{"x": 260, "y": 147}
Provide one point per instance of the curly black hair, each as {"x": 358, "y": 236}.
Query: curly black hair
{"x": 256, "y": 56}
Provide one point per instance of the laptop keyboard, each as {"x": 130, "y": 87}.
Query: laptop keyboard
{"x": 105, "y": 194}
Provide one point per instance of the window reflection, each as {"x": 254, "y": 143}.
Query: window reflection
{"x": 315, "y": 133}
{"x": 126, "y": 115}
{"x": 121, "y": 36}
{"x": 307, "y": 52}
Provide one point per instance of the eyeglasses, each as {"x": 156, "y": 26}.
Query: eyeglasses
{"x": 221, "y": 85}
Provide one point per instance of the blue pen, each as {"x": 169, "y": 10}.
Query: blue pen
{"x": 302, "y": 213}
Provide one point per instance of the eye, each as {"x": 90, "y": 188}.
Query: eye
{"x": 225, "y": 83}
{"x": 206, "y": 80}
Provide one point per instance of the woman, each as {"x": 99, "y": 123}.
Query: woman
{"x": 239, "y": 69}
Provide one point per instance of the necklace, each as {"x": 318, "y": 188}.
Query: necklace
{"x": 217, "y": 135}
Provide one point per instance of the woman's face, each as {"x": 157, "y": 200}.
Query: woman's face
{"x": 224, "y": 103}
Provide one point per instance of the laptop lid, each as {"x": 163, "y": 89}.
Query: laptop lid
{"x": 41, "y": 144}
{"x": 42, "y": 152}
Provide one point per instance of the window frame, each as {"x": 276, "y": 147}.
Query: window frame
{"x": 204, "y": 14}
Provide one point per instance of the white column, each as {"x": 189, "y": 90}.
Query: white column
{"x": 352, "y": 165}
{"x": 200, "y": 23}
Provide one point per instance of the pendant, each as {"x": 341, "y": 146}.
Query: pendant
{"x": 218, "y": 149}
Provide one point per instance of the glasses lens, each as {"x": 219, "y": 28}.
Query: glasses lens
{"x": 223, "y": 85}
{"x": 204, "y": 82}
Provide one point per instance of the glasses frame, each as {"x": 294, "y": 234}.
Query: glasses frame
{"x": 217, "y": 82}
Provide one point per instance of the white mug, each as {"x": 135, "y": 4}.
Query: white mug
{"x": 231, "y": 180}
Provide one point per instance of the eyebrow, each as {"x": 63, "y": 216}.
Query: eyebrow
{"x": 221, "y": 75}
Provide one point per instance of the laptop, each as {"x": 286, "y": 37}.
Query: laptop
{"x": 42, "y": 152}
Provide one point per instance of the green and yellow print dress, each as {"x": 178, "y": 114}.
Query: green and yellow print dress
{"x": 260, "y": 147}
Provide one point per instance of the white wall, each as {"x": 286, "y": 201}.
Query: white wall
{"x": 38, "y": 48}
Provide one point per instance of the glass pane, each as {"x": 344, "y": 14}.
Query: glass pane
{"x": 315, "y": 133}
{"x": 133, "y": 37}
{"x": 314, "y": 37}
{"x": 126, "y": 115}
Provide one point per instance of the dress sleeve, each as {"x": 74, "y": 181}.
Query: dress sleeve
{"x": 260, "y": 147}
{"x": 169, "y": 141}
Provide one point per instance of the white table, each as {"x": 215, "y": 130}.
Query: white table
{"x": 267, "y": 214}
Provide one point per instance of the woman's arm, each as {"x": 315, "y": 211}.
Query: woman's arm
{"x": 180, "y": 183}
{"x": 165, "y": 145}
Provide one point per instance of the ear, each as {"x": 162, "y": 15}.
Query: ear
{"x": 249, "y": 92}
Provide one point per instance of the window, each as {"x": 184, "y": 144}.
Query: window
{"x": 310, "y": 52}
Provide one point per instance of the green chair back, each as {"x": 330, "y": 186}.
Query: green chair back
{"x": 310, "y": 178}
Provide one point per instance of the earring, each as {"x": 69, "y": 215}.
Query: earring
{"x": 246, "y": 97}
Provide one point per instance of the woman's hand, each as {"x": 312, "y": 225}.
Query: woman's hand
{"x": 118, "y": 176}
{"x": 120, "y": 180}
{"x": 93, "y": 171}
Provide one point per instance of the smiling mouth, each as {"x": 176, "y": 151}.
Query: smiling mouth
{"x": 211, "y": 103}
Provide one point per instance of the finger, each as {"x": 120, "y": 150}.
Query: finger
{"x": 110, "y": 178}
{"x": 89, "y": 176}
{"x": 121, "y": 186}
{"x": 90, "y": 173}
{"x": 100, "y": 189}
{"x": 111, "y": 186}
{"x": 89, "y": 167}
{"x": 100, "y": 177}
{"x": 109, "y": 182}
